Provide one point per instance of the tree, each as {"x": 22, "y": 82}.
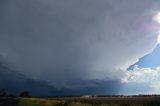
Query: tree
{"x": 24, "y": 94}
{"x": 11, "y": 95}
{"x": 3, "y": 93}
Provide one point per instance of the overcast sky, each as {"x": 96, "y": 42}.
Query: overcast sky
{"x": 77, "y": 43}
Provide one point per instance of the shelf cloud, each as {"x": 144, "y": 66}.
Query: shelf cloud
{"x": 75, "y": 43}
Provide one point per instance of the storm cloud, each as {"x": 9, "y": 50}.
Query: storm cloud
{"x": 73, "y": 43}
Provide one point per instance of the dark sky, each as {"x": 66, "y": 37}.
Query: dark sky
{"x": 76, "y": 43}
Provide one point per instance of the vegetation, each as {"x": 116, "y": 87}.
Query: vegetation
{"x": 24, "y": 94}
{"x": 81, "y": 101}
{"x": 3, "y": 93}
{"x": 25, "y": 99}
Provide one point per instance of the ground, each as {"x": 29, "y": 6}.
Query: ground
{"x": 81, "y": 101}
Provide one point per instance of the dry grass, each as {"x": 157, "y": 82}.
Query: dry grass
{"x": 75, "y": 101}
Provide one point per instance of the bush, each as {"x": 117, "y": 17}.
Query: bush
{"x": 25, "y": 94}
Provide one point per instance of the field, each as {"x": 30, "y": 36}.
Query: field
{"x": 81, "y": 101}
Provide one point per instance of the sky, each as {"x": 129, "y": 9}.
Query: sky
{"x": 104, "y": 45}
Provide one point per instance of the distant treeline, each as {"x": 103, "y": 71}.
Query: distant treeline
{"x": 4, "y": 93}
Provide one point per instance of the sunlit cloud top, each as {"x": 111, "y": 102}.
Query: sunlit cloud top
{"x": 156, "y": 18}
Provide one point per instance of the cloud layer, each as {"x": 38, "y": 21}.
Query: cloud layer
{"x": 74, "y": 41}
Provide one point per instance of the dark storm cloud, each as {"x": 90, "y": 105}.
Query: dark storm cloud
{"x": 68, "y": 42}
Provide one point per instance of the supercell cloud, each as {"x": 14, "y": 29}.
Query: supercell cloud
{"x": 75, "y": 43}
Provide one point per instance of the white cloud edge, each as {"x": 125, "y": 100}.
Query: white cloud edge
{"x": 149, "y": 76}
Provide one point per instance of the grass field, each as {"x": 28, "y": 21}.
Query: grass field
{"x": 81, "y": 101}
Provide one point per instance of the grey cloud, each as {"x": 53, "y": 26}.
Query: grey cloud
{"x": 65, "y": 42}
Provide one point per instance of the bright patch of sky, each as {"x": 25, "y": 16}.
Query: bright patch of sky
{"x": 144, "y": 76}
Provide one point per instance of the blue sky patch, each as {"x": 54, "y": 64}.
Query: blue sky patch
{"x": 151, "y": 60}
